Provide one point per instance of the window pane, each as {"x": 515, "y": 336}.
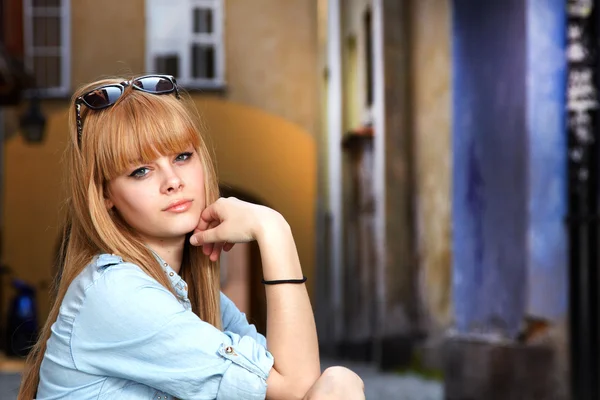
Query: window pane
{"x": 47, "y": 71}
{"x": 203, "y": 61}
{"x": 168, "y": 64}
{"x": 203, "y": 20}
{"x": 46, "y": 31}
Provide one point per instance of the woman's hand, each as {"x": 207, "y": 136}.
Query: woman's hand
{"x": 228, "y": 221}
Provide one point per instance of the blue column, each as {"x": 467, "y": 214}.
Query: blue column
{"x": 508, "y": 163}
{"x": 547, "y": 236}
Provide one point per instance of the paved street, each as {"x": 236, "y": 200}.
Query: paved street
{"x": 377, "y": 385}
{"x": 380, "y": 386}
{"x": 9, "y": 384}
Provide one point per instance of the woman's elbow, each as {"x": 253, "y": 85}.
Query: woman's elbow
{"x": 303, "y": 385}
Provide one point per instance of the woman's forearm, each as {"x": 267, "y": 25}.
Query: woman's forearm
{"x": 291, "y": 330}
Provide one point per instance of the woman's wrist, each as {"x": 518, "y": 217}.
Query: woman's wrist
{"x": 278, "y": 249}
{"x": 269, "y": 225}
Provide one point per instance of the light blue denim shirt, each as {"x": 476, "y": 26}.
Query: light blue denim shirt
{"x": 121, "y": 335}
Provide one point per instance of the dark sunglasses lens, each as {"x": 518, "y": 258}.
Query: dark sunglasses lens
{"x": 154, "y": 84}
{"x": 103, "y": 97}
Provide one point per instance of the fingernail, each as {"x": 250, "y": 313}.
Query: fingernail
{"x": 194, "y": 240}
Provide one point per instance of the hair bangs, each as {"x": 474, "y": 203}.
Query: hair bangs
{"x": 138, "y": 129}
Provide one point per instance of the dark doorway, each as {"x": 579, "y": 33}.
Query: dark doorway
{"x": 257, "y": 311}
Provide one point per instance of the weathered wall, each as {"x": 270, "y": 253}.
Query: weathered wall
{"x": 401, "y": 309}
{"x": 489, "y": 201}
{"x": 547, "y": 237}
{"x": 354, "y": 62}
{"x": 509, "y": 164}
{"x": 430, "y": 72}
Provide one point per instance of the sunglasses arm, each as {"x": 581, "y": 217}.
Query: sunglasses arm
{"x": 78, "y": 118}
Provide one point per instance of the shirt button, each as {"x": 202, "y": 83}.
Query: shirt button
{"x": 171, "y": 273}
{"x": 228, "y": 349}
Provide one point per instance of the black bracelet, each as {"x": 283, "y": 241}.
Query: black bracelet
{"x": 283, "y": 281}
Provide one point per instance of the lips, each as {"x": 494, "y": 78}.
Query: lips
{"x": 179, "y": 206}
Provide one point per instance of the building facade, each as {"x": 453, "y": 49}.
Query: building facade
{"x": 443, "y": 188}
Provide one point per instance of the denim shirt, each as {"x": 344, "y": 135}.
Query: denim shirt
{"x": 121, "y": 335}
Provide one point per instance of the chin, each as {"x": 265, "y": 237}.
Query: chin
{"x": 185, "y": 227}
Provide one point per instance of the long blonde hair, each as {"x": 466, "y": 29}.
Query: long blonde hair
{"x": 139, "y": 126}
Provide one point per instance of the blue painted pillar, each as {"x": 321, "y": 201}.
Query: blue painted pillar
{"x": 547, "y": 241}
{"x": 508, "y": 163}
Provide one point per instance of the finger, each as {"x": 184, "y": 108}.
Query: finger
{"x": 207, "y": 248}
{"x": 207, "y": 216}
{"x": 212, "y": 212}
{"x": 210, "y": 247}
{"x": 207, "y": 237}
{"x": 228, "y": 246}
{"x": 214, "y": 256}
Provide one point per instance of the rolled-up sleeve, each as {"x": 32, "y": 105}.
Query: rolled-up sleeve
{"x": 131, "y": 327}
{"x": 235, "y": 321}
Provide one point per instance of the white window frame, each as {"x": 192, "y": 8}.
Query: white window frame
{"x": 64, "y": 51}
{"x": 187, "y": 38}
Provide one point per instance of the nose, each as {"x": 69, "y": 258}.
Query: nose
{"x": 172, "y": 182}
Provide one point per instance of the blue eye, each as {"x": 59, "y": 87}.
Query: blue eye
{"x": 139, "y": 173}
{"x": 183, "y": 156}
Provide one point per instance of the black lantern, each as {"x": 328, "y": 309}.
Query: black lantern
{"x": 33, "y": 122}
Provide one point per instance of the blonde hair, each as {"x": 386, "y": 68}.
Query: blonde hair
{"x": 139, "y": 126}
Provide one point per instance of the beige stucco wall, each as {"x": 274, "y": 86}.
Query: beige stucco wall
{"x": 431, "y": 102}
{"x": 271, "y": 57}
{"x": 270, "y": 51}
{"x": 257, "y": 153}
{"x": 107, "y": 39}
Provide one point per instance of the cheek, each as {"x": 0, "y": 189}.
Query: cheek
{"x": 127, "y": 200}
{"x": 196, "y": 180}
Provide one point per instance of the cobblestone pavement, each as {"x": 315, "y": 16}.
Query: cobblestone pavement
{"x": 9, "y": 385}
{"x": 378, "y": 386}
{"x": 387, "y": 386}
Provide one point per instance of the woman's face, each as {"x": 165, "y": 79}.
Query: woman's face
{"x": 161, "y": 200}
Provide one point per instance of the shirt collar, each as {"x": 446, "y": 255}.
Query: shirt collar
{"x": 177, "y": 282}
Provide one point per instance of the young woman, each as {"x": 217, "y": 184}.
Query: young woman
{"x": 139, "y": 313}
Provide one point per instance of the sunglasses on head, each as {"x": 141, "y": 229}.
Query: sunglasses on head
{"x": 107, "y": 95}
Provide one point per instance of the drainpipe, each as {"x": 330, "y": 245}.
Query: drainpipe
{"x": 334, "y": 133}
{"x": 379, "y": 161}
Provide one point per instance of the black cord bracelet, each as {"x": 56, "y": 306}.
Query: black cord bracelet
{"x": 283, "y": 281}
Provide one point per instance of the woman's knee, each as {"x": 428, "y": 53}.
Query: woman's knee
{"x": 342, "y": 374}
{"x": 337, "y": 383}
